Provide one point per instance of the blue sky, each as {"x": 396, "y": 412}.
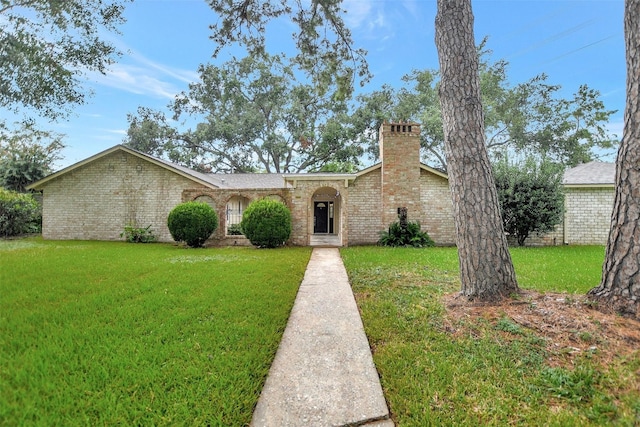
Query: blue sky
{"x": 573, "y": 41}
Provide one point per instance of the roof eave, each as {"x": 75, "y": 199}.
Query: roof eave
{"x": 574, "y": 185}
{"x": 38, "y": 185}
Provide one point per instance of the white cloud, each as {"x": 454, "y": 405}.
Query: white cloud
{"x": 137, "y": 80}
{"x": 138, "y": 74}
{"x": 115, "y": 131}
{"x": 185, "y": 76}
{"x": 358, "y": 12}
{"x": 412, "y": 7}
{"x": 616, "y": 128}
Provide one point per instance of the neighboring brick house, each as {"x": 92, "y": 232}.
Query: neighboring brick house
{"x": 97, "y": 197}
{"x": 589, "y": 193}
{"x": 589, "y": 190}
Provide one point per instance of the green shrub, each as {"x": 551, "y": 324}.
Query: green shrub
{"x": 234, "y": 230}
{"x": 530, "y": 196}
{"x": 266, "y": 223}
{"x": 19, "y": 213}
{"x": 192, "y": 223}
{"x": 133, "y": 234}
{"x": 409, "y": 236}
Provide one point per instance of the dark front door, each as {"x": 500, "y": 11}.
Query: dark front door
{"x": 320, "y": 217}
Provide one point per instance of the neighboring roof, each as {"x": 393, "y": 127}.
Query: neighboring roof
{"x": 592, "y": 174}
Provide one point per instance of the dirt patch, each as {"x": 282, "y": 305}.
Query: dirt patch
{"x": 568, "y": 323}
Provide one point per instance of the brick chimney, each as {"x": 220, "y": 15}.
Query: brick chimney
{"x": 400, "y": 155}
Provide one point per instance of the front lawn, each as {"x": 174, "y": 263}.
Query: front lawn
{"x": 109, "y": 333}
{"x": 542, "y": 359}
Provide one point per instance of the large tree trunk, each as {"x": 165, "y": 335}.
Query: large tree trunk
{"x": 620, "y": 286}
{"x": 486, "y": 269}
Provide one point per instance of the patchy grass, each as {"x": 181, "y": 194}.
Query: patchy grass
{"x": 109, "y": 333}
{"x": 540, "y": 359}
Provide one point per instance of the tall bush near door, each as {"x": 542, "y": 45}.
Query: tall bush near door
{"x": 266, "y": 223}
{"x": 192, "y": 223}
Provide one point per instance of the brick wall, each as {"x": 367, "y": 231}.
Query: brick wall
{"x": 400, "y": 155}
{"x": 364, "y": 210}
{"x": 436, "y": 214}
{"x": 588, "y": 215}
{"x": 96, "y": 201}
{"x": 587, "y": 219}
{"x": 302, "y": 207}
{"x": 299, "y": 200}
{"x": 218, "y": 198}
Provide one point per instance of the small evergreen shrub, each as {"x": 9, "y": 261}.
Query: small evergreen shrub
{"x": 192, "y": 223}
{"x": 266, "y": 223}
{"x": 411, "y": 235}
{"x": 19, "y": 213}
{"x": 133, "y": 234}
{"x": 234, "y": 230}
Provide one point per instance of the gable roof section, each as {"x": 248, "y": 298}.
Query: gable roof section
{"x": 434, "y": 171}
{"x": 237, "y": 181}
{"x": 201, "y": 178}
{"x": 593, "y": 174}
{"x": 422, "y": 166}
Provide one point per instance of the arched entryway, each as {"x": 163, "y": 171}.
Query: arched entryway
{"x": 325, "y": 210}
{"x": 233, "y": 214}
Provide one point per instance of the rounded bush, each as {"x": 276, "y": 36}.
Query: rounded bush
{"x": 192, "y": 223}
{"x": 266, "y": 223}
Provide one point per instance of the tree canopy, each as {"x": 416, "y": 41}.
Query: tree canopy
{"x": 26, "y": 155}
{"x": 323, "y": 41}
{"x": 248, "y": 115}
{"x": 46, "y": 47}
{"x": 531, "y": 118}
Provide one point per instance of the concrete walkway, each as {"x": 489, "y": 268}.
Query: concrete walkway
{"x": 323, "y": 372}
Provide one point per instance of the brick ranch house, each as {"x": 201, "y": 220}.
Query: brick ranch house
{"x": 96, "y": 198}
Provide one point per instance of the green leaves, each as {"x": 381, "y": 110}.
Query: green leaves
{"x": 267, "y": 223}
{"x": 324, "y": 43}
{"x": 26, "y": 155}
{"x": 47, "y": 46}
{"x": 530, "y": 196}
{"x": 19, "y": 213}
{"x": 192, "y": 223}
{"x": 411, "y": 235}
{"x": 530, "y": 117}
{"x": 252, "y": 114}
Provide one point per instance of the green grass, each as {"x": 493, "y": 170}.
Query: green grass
{"x": 572, "y": 269}
{"x": 492, "y": 373}
{"x": 108, "y": 333}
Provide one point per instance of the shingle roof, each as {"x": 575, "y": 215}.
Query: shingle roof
{"x": 592, "y": 173}
{"x": 249, "y": 180}
{"x": 236, "y": 181}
